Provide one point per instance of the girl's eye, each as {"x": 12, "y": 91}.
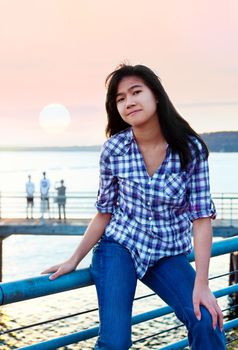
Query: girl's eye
{"x": 136, "y": 92}
{"x": 119, "y": 99}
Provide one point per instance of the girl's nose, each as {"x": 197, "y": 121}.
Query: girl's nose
{"x": 130, "y": 102}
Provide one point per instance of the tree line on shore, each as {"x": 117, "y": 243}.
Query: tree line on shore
{"x": 222, "y": 141}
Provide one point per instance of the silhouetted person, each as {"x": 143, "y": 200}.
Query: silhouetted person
{"x": 44, "y": 192}
{"x": 61, "y": 198}
{"x": 30, "y": 190}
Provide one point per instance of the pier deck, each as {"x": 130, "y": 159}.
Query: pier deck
{"x": 221, "y": 228}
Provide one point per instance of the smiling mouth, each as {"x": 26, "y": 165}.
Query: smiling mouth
{"x": 133, "y": 112}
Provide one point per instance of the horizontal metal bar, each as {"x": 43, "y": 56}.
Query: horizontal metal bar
{"x": 11, "y": 292}
{"x": 183, "y": 343}
{"x": 64, "y": 340}
{"x": 222, "y": 247}
{"x": 93, "y": 332}
{"x": 149, "y": 315}
{"x": 149, "y": 336}
{"x": 14, "y": 202}
{"x": 30, "y": 288}
{"x": 51, "y": 320}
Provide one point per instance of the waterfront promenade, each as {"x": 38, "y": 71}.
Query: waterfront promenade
{"x": 9, "y": 226}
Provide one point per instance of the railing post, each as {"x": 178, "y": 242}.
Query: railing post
{"x": 0, "y": 204}
{"x": 1, "y": 259}
{"x": 233, "y": 279}
{"x": 231, "y": 203}
{"x": 222, "y": 205}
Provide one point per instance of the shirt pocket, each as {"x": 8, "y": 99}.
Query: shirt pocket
{"x": 174, "y": 189}
{"x": 129, "y": 195}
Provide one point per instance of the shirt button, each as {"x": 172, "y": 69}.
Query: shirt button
{"x": 149, "y": 250}
{"x": 150, "y": 218}
{"x": 148, "y": 203}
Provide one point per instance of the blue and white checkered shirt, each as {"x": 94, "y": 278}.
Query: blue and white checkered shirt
{"x": 151, "y": 216}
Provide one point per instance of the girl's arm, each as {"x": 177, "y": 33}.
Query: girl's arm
{"x": 90, "y": 238}
{"x": 202, "y": 295}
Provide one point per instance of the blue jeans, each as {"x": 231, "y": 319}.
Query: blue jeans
{"x": 171, "y": 278}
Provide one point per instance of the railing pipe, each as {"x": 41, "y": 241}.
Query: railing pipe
{"x": 220, "y": 248}
{"x": 11, "y": 292}
{"x": 64, "y": 340}
{"x": 93, "y": 332}
{"x": 30, "y": 288}
{"x": 231, "y": 209}
{"x": 149, "y": 315}
{"x": 183, "y": 343}
{"x": 82, "y": 203}
{"x": 39, "y": 286}
{"x": 0, "y": 204}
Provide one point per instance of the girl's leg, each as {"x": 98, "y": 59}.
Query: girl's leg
{"x": 115, "y": 278}
{"x": 172, "y": 279}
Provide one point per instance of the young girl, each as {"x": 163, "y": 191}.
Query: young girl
{"x": 154, "y": 185}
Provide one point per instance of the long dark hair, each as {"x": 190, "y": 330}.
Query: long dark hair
{"x": 176, "y": 130}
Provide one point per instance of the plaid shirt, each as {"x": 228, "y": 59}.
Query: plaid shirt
{"x": 151, "y": 216}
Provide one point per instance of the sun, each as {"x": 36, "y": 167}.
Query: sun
{"x": 54, "y": 118}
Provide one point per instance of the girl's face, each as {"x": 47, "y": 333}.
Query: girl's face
{"x": 135, "y": 102}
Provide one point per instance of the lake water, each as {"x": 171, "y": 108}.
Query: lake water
{"x": 80, "y": 170}
{"x": 27, "y": 256}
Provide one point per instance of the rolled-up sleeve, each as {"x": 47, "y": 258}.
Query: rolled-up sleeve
{"x": 108, "y": 185}
{"x": 199, "y": 196}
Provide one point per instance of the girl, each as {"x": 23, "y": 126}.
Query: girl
{"x": 154, "y": 185}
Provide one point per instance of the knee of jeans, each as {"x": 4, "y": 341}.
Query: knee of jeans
{"x": 206, "y": 320}
{"x": 204, "y": 324}
{"x": 114, "y": 344}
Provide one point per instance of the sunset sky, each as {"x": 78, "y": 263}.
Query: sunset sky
{"x": 60, "y": 51}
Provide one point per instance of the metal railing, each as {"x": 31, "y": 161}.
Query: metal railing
{"x": 17, "y": 291}
{"x": 78, "y": 205}
{"x": 227, "y": 206}
{"x": 82, "y": 205}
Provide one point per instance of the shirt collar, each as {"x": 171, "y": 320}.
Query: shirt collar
{"x": 129, "y": 137}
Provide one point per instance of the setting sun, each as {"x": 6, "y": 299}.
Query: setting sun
{"x": 54, "y": 118}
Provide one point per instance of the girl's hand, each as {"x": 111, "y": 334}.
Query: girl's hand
{"x": 60, "y": 269}
{"x": 203, "y": 296}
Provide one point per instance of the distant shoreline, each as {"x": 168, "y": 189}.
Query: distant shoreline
{"x": 223, "y": 141}
{"x": 52, "y": 149}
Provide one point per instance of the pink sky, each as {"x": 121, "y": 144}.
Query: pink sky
{"x": 60, "y": 51}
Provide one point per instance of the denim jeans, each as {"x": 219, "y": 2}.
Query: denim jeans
{"x": 172, "y": 278}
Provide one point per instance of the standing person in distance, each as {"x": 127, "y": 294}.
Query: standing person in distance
{"x": 154, "y": 187}
{"x": 30, "y": 190}
{"x": 61, "y": 198}
{"x": 44, "y": 194}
